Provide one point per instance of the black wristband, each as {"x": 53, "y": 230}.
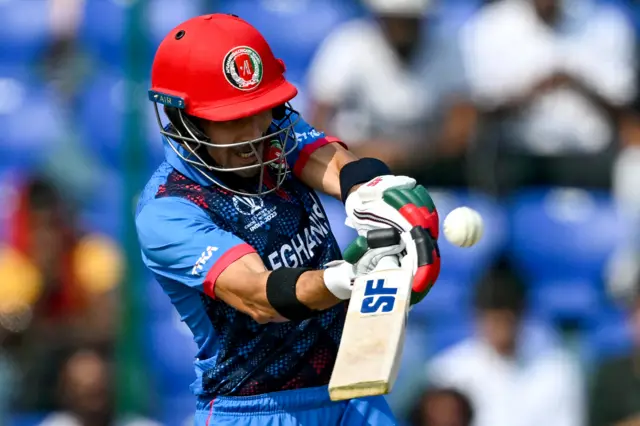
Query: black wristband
{"x": 360, "y": 171}
{"x": 281, "y": 294}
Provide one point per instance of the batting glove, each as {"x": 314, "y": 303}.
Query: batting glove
{"x": 397, "y": 202}
{"x": 360, "y": 258}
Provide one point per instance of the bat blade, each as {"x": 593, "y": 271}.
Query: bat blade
{"x": 373, "y": 336}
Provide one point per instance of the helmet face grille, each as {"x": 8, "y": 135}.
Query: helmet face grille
{"x": 190, "y": 143}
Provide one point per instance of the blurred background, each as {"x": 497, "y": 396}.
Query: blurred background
{"x": 525, "y": 110}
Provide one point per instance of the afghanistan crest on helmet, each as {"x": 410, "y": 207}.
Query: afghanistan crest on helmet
{"x": 243, "y": 68}
{"x": 275, "y": 154}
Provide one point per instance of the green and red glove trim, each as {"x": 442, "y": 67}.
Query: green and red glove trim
{"x": 417, "y": 207}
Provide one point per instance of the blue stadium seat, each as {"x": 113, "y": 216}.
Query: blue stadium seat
{"x": 26, "y": 419}
{"x": 442, "y": 337}
{"x": 293, "y": 28}
{"x": 101, "y": 116}
{"x": 461, "y": 268}
{"x": 30, "y": 120}
{"x": 154, "y": 146}
{"x": 157, "y": 303}
{"x": 24, "y": 30}
{"x": 9, "y": 178}
{"x": 561, "y": 239}
{"x": 452, "y": 14}
{"x": 102, "y": 30}
{"x": 611, "y": 336}
{"x": 104, "y": 211}
{"x": 171, "y": 352}
{"x": 177, "y": 410}
{"x": 164, "y": 15}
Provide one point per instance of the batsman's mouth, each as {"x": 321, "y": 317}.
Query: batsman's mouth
{"x": 248, "y": 155}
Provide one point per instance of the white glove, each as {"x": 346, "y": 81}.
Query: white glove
{"x": 340, "y": 274}
{"x": 366, "y": 209}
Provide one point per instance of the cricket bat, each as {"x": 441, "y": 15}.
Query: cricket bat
{"x": 373, "y": 336}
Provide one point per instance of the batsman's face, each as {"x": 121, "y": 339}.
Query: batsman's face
{"x": 232, "y": 132}
{"x": 500, "y": 329}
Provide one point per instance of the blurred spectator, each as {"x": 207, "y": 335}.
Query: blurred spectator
{"x": 87, "y": 394}
{"x": 554, "y": 79}
{"x": 66, "y": 67}
{"x": 509, "y": 381}
{"x": 616, "y": 389}
{"x": 442, "y": 407}
{"x": 64, "y": 62}
{"x": 392, "y": 87}
{"x": 59, "y": 290}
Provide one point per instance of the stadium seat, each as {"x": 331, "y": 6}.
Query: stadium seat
{"x": 561, "y": 239}
{"x": 452, "y": 14}
{"x": 611, "y": 336}
{"x": 293, "y": 28}
{"x": 164, "y": 15}
{"x": 103, "y": 30}
{"x": 154, "y": 146}
{"x": 102, "y": 116}
{"x": 26, "y": 419}
{"x": 104, "y": 211}
{"x": 177, "y": 410}
{"x": 157, "y": 303}
{"x": 461, "y": 268}
{"x": 442, "y": 337}
{"x": 30, "y": 120}
{"x": 24, "y": 30}
{"x": 171, "y": 352}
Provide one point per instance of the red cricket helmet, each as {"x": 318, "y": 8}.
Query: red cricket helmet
{"x": 220, "y": 68}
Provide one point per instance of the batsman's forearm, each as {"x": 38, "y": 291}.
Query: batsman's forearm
{"x": 313, "y": 293}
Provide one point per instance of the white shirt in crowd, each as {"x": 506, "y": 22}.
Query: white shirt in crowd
{"x": 542, "y": 388}
{"x": 376, "y": 94}
{"x": 507, "y": 50}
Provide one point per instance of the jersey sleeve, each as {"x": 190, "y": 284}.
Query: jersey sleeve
{"x": 179, "y": 242}
{"x": 308, "y": 140}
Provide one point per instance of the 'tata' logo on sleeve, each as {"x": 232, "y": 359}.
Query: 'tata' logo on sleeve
{"x": 204, "y": 258}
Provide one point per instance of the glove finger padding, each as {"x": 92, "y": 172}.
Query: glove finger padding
{"x": 417, "y": 207}
{"x": 428, "y": 260}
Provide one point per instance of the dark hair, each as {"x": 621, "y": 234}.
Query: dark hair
{"x": 415, "y": 416}
{"x": 500, "y": 289}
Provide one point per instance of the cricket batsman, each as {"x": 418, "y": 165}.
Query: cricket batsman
{"x": 232, "y": 229}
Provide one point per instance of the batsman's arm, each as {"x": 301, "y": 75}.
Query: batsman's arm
{"x": 243, "y": 285}
{"x": 298, "y": 293}
{"x": 179, "y": 242}
{"x": 322, "y": 170}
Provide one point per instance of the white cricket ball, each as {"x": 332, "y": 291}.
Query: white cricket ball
{"x": 463, "y": 227}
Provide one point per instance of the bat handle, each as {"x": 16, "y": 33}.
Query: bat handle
{"x": 388, "y": 262}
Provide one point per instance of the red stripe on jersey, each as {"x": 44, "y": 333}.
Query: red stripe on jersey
{"x": 223, "y": 263}
{"x": 306, "y": 152}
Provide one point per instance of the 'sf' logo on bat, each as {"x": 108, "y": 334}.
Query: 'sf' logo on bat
{"x": 378, "y": 299}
